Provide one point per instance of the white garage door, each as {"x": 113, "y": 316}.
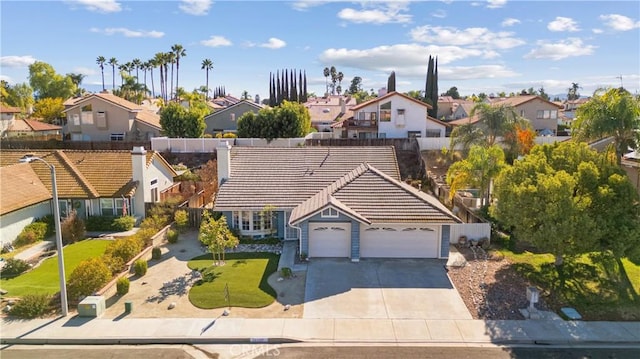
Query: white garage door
{"x": 330, "y": 240}
{"x": 394, "y": 241}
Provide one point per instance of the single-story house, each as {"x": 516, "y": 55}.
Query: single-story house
{"x": 31, "y": 128}
{"x": 24, "y": 199}
{"x": 97, "y": 182}
{"x": 335, "y": 201}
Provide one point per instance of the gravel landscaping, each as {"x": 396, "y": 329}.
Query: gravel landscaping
{"x": 489, "y": 286}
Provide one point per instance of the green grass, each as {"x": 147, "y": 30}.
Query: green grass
{"x": 44, "y": 279}
{"x": 245, "y": 273}
{"x": 596, "y": 284}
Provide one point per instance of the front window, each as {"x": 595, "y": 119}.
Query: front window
{"x": 117, "y": 137}
{"x": 122, "y": 207}
{"x": 235, "y": 222}
{"x": 106, "y": 206}
{"x": 256, "y": 221}
{"x": 63, "y": 207}
{"x": 246, "y": 225}
{"x": 385, "y": 112}
{"x": 414, "y": 134}
{"x": 329, "y": 213}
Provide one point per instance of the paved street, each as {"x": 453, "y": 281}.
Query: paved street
{"x": 381, "y": 289}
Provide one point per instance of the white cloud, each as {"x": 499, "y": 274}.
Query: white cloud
{"x": 378, "y": 13}
{"x": 597, "y": 31}
{"x": 195, "y": 7}
{"x": 17, "y": 61}
{"x": 440, "y": 14}
{"x": 274, "y": 43}
{"x": 303, "y": 5}
{"x": 619, "y": 22}
{"x": 473, "y": 37}
{"x": 563, "y": 24}
{"x": 216, "y": 41}
{"x": 475, "y": 72}
{"x": 494, "y": 4}
{"x": 85, "y": 71}
{"x": 6, "y": 78}
{"x": 509, "y": 22}
{"x": 560, "y": 50}
{"x": 128, "y": 33}
{"x": 104, "y": 6}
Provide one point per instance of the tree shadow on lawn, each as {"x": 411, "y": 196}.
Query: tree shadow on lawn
{"x": 177, "y": 286}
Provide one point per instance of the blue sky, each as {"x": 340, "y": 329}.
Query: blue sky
{"x": 482, "y": 46}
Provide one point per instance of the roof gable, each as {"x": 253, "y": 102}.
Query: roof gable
{"x": 103, "y": 96}
{"x": 258, "y": 107}
{"x": 371, "y": 196}
{"x": 390, "y": 94}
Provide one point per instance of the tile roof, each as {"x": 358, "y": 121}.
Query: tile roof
{"x": 150, "y": 118}
{"x": 221, "y": 110}
{"x": 519, "y": 100}
{"x": 286, "y": 177}
{"x": 371, "y": 196}
{"x": 32, "y": 125}
{"x": 119, "y": 101}
{"x": 9, "y": 109}
{"x": 390, "y": 94}
{"x": 85, "y": 173}
{"x": 21, "y": 187}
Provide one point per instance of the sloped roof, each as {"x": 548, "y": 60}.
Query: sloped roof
{"x": 390, "y": 94}
{"x": 519, "y": 100}
{"x": 21, "y": 187}
{"x": 286, "y": 177}
{"x": 150, "y": 118}
{"x": 257, "y": 106}
{"x": 9, "y": 109}
{"x": 84, "y": 174}
{"x": 32, "y": 125}
{"x": 371, "y": 196}
{"x": 109, "y": 97}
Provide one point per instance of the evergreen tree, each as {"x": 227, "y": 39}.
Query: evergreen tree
{"x": 294, "y": 87}
{"x": 431, "y": 88}
{"x": 391, "y": 82}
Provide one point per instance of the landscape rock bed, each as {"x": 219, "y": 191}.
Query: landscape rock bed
{"x": 269, "y": 248}
{"x": 490, "y": 286}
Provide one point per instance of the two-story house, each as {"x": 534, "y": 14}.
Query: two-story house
{"x": 226, "y": 119}
{"x": 325, "y": 111}
{"x": 107, "y": 117}
{"x": 394, "y": 115}
{"x": 8, "y": 116}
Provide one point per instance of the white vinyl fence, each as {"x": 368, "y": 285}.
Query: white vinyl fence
{"x": 473, "y": 231}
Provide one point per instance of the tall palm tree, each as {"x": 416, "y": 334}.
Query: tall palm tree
{"x": 207, "y": 65}
{"x": 129, "y": 67}
{"x": 144, "y": 67}
{"x": 179, "y": 51}
{"x": 135, "y": 64}
{"x": 151, "y": 65}
{"x": 113, "y": 62}
{"x": 339, "y": 77}
{"x": 495, "y": 120}
{"x": 326, "y": 73}
{"x": 159, "y": 61}
{"x": 100, "y": 61}
{"x": 77, "y": 78}
{"x": 171, "y": 59}
{"x": 122, "y": 68}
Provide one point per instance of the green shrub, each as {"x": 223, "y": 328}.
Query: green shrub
{"x": 115, "y": 264}
{"x": 88, "y": 277}
{"x": 100, "y": 223}
{"x": 31, "y": 233}
{"x": 140, "y": 267}
{"x": 155, "y": 222}
{"x": 145, "y": 235}
{"x": 122, "y": 285}
{"x": 13, "y": 267}
{"x": 124, "y": 248}
{"x": 286, "y": 272}
{"x": 182, "y": 219}
{"x": 51, "y": 227}
{"x": 172, "y": 236}
{"x": 124, "y": 223}
{"x": 156, "y": 253}
{"x": 73, "y": 228}
{"x": 32, "y": 306}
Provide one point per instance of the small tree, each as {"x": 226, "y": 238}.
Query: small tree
{"x": 182, "y": 219}
{"x": 267, "y": 216}
{"x": 89, "y": 276}
{"x": 73, "y": 228}
{"x": 477, "y": 170}
{"x": 217, "y": 236}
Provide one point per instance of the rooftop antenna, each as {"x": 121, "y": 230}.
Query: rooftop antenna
{"x": 620, "y": 77}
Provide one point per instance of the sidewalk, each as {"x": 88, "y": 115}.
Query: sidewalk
{"x": 76, "y": 330}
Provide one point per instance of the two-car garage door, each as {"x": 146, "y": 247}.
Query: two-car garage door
{"x": 398, "y": 241}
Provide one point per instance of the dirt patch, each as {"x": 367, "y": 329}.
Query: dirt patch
{"x": 168, "y": 281}
{"x": 490, "y": 286}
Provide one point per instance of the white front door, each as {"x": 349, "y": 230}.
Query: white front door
{"x": 329, "y": 239}
{"x": 399, "y": 241}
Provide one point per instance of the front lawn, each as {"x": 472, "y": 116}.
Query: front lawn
{"x": 596, "y": 284}
{"x": 44, "y": 279}
{"x": 246, "y": 275}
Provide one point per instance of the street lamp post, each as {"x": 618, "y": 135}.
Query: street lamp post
{"x": 56, "y": 220}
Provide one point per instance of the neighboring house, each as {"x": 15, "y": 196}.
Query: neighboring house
{"x": 107, "y": 117}
{"x": 394, "y": 115}
{"x": 568, "y": 112}
{"x": 223, "y": 102}
{"x": 32, "y": 128}
{"x": 335, "y": 201}
{"x": 226, "y": 119}
{"x": 99, "y": 182}
{"x": 8, "y": 116}
{"x": 542, "y": 114}
{"x": 24, "y": 198}
{"x": 631, "y": 165}
{"x": 325, "y": 111}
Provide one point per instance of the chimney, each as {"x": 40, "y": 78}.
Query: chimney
{"x": 224, "y": 161}
{"x": 138, "y": 169}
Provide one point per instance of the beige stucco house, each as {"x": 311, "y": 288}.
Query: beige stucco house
{"x": 107, "y": 117}
{"x": 226, "y": 119}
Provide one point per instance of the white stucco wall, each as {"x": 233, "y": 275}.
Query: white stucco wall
{"x": 11, "y": 224}
{"x": 415, "y": 117}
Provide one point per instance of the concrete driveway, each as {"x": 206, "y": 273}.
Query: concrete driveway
{"x": 381, "y": 288}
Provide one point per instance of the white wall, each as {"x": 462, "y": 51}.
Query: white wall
{"x": 13, "y": 223}
{"x": 415, "y": 118}
{"x": 473, "y": 231}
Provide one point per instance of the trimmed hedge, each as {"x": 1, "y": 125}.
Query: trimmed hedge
{"x": 122, "y": 285}
{"x": 140, "y": 267}
{"x": 110, "y": 223}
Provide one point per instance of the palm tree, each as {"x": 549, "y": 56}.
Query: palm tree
{"x": 573, "y": 91}
{"x": 326, "y": 73}
{"x": 340, "y": 76}
{"x": 100, "y": 61}
{"x": 171, "y": 59}
{"x": 179, "y": 51}
{"x": 466, "y": 135}
{"x": 334, "y": 79}
{"x": 135, "y": 64}
{"x": 495, "y": 120}
{"x": 207, "y": 65}
{"x": 128, "y": 67}
{"x": 113, "y": 62}
{"x": 122, "y": 68}
{"x": 144, "y": 67}
{"x": 77, "y": 80}
{"x": 159, "y": 61}
{"x": 151, "y": 64}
